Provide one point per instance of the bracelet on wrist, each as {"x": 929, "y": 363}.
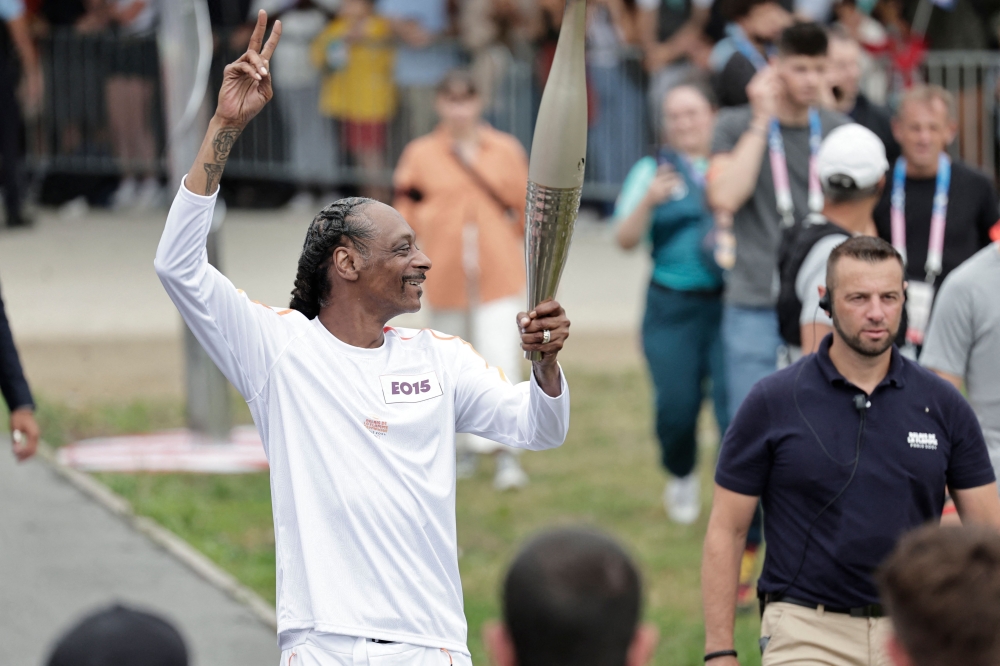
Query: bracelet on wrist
{"x": 720, "y": 653}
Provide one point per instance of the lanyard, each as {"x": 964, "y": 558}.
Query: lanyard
{"x": 694, "y": 169}
{"x": 897, "y": 214}
{"x": 743, "y": 45}
{"x": 779, "y": 169}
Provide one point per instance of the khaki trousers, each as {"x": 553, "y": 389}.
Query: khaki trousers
{"x": 799, "y": 635}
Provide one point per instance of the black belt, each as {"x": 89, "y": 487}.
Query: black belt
{"x": 871, "y": 610}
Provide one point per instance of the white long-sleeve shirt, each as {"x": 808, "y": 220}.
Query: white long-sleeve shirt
{"x": 361, "y": 446}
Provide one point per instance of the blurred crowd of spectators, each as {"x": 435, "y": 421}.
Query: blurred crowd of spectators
{"x": 372, "y": 66}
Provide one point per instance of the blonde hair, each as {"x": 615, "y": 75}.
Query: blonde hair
{"x": 926, "y": 94}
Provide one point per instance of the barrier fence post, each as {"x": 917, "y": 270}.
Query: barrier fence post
{"x": 186, "y": 56}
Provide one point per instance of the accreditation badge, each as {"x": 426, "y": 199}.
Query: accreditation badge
{"x": 919, "y": 298}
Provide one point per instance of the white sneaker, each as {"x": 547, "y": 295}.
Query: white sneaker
{"x": 301, "y": 201}
{"x": 466, "y": 463}
{"x": 682, "y": 499}
{"x": 148, "y": 197}
{"x": 327, "y": 198}
{"x": 124, "y": 196}
{"x": 74, "y": 209}
{"x": 509, "y": 475}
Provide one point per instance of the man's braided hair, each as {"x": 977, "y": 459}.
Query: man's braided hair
{"x": 340, "y": 223}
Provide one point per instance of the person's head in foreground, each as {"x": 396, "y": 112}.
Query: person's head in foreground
{"x": 941, "y": 587}
{"x": 360, "y": 250}
{"x": 864, "y": 279}
{"x": 689, "y": 118}
{"x": 801, "y": 63}
{"x": 924, "y": 126}
{"x": 572, "y": 597}
{"x": 120, "y": 636}
{"x": 852, "y": 165}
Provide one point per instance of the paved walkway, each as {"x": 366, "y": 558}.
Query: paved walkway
{"x": 62, "y": 556}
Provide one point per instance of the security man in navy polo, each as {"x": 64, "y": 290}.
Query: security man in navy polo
{"x": 847, "y": 449}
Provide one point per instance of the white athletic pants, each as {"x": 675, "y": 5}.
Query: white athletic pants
{"x": 495, "y": 335}
{"x": 337, "y": 650}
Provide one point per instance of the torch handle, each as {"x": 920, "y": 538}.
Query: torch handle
{"x": 549, "y": 217}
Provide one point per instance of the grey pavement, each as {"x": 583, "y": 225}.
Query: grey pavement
{"x": 93, "y": 322}
{"x": 92, "y": 277}
{"x": 62, "y": 556}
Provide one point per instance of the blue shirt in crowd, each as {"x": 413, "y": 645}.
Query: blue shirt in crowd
{"x": 427, "y": 66}
{"x": 793, "y": 444}
{"x": 676, "y": 229}
{"x": 11, "y": 9}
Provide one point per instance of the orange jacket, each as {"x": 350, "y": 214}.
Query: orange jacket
{"x": 450, "y": 198}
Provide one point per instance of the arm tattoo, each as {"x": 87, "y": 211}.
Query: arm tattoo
{"x": 223, "y": 143}
{"x": 213, "y": 173}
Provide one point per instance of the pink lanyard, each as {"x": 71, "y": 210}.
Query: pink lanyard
{"x": 939, "y": 214}
{"x": 779, "y": 169}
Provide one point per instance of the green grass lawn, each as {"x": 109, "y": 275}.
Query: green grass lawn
{"x": 606, "y": 475}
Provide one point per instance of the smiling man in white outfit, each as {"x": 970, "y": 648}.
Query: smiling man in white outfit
{"x": 358, "y": 419}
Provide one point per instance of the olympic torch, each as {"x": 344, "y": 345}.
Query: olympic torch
{"x": 555, "y": 170}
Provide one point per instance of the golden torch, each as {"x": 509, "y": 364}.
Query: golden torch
{"x": 555, "y": 170}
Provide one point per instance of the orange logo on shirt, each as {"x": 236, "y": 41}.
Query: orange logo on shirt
{"x": 377, "y": 427}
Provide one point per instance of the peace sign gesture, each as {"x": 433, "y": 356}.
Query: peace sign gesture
{"x": 246, "y": 88}
{"x": 246, "y": 83}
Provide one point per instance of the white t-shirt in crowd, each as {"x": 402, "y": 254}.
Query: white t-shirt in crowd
{"x": 361, "y": 446}
{"x": 812, "y": 275}
{"x": 963, "y": 338}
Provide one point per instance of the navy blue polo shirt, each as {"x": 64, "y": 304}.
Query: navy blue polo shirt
{"x": 918, "y": 434}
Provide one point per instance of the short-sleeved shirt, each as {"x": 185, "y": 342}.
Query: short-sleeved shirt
{"x": 794, "y": 442}
{"x": 731, "y": 80}
{"x": 812, "y": 275}
{"x": 675, "y": 231}
{"x": 753, "y": 281}
{"x": 964, "y": 338}
{"x": 424, "y": 66}
{"x": 11, "y": 9}
{"x": 972, "y": 210}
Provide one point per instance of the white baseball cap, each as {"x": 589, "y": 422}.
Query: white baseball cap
{"x": 851, "y": 156}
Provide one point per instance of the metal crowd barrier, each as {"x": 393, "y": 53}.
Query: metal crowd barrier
{"x": 972, "y": 77}
{"x": 83, "y": 72}
{"x": 290, "y": 141}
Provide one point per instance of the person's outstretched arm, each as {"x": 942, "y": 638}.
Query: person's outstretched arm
{"x": 725, "y": 540}
{"x": 241, "y": 337}
{"x": 735, "y": 171}
{"x": 531, "y": 415}
{"x": 246, "y": 88}
{"x": 16, "y": 394}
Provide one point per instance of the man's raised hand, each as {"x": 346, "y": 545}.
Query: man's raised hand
{"x": 246, "y": 83}
{"x": 246, "y": 88}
